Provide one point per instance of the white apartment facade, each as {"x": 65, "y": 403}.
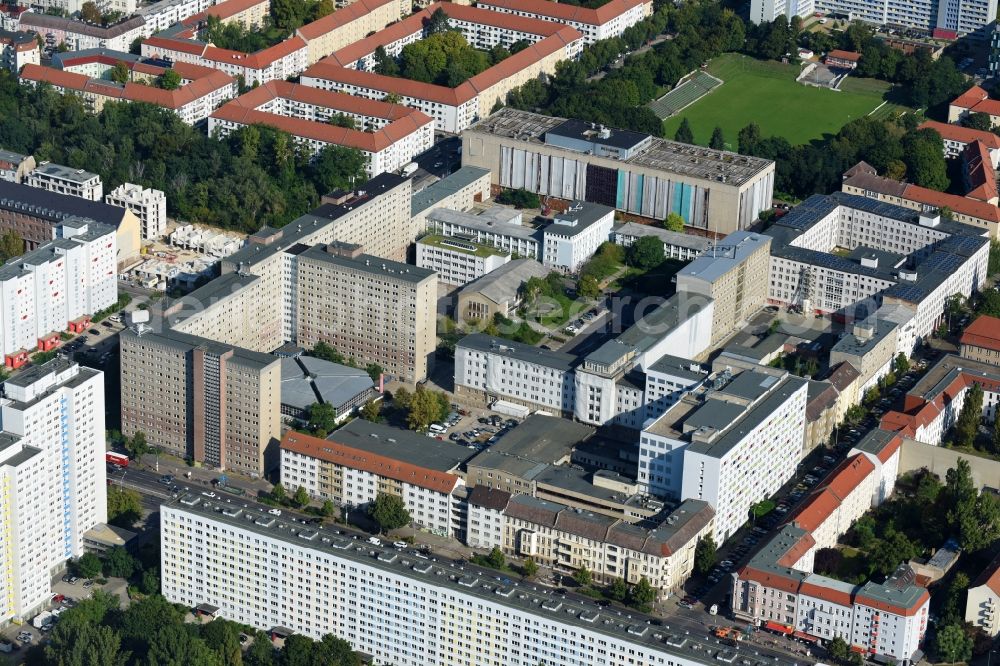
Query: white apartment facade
{"x": 362, "y": 460}
{"x": 387, "y": 604}
{"x": 676, "y": 245}
{"x": 42, "y": 291}
{"x": 149, "y": 205}
{"x": 456, "y": 260}
{"x": 575, "y": 234}
{"x": 18, "y": 49}
{"x": 500, "y": 369}
{"x": 766, "y": 11}
{"x": 66, "y": 180}
{"x": 501, "y": 228}
{"x": 54, "y": 415}
{"x": 610, "y": 20}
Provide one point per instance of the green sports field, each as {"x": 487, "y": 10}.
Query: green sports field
{"x": 766, "y": 93}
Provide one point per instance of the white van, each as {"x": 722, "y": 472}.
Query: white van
{"x": 437, "y": 428}
{"x": 375, "y": 541}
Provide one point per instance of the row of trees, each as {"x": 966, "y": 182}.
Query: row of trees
{"x": 422, "y": 407}
{"x": 444, "y": 58}
{"x": 966, "y": 432}
{"x": 254, "y": 176}
{"x": 152, "y": 631}
{"x": 896, "y": 149}
{"x": 323, "y": 350}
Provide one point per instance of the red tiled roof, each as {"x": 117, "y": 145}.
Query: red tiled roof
{"x": 328, "y": 69}
{"x": 563, "y": 12}
{"x": 231, "y": 8}
{"x": 970, "y": 97}
{"x": 169, "y": 44}
{"x": 970, "y": 207}
{"x": 244, "y": 110}
{"x": 983, "y": 332}
{"x": 339, "y": 18}
{"x": 347, "y": 456}
{"x": 831, "y": 594}
{"x": 850, "y": 56}
{"x": 990, "y": 576}
{"x": 817, "y": 508}
{"x": 259, "y": 60}
{"x": 979, "y": 172}
{"x": 962, "y": 134}
{"x": 795, "y": 553}
{"x": 770, "y": 579}
{"x": 56, "y": 77}
{"x": 848, "y": 475}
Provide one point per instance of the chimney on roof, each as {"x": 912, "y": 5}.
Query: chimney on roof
{"x": 340, "y": 249}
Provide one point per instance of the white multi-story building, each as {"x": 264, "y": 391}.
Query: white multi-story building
{"x": 458, "y": 260}
{"x": 52, "y": 453}
{"x": 498, "y": 227}
{"x": 392, "y": 605}
{"x": 575, "y": 235}
{"x": 945, "y": 19}
{"x": 765, "y": 11}
{"x": 66, "y": 180}
{"x": 730, "y": 446}
{"x": 982, "y": 606}
{"x": 388, "y": 135}
{"x": 44, "y": 291}
{"x": 18, "y": 49}
{"x": 893, "y": 255}
{"x": 676, "y": 245}
{"x": 667, "y": 380}
{"x": 149, "y": 205}
{"x": 161, "y": 15}
{"x": 363, "y": 460}
{"x": 609, "y": 20}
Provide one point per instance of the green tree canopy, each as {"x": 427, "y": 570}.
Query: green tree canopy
{"x": 11, "y": 245}
{"x": 119, "y": 563}
{"x": 718, "y": 140}
{"x": 301, "y": 497}
{"x": 969, "y": 418}
{"x": 646, "y": 252}
{"x": 389, "y": 512}
{"x": 372, "y": 411}
{"x": 88, "y": 566}
{"x": 952, "y": 644}
{"x": 170, "y": 80}
{"x": 124, "y": 506}
{"x": 674, "y": 222}
{"x": 684, "y": 133}
{"x": 322, "y": 419}
{"x": 704, "y": 555}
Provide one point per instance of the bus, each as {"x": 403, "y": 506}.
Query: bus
{"x": 113, "y": 458}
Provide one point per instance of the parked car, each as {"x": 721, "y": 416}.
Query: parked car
{"x": 274, "y": 512}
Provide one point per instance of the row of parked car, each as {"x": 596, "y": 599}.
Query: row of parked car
{"x": 577, "y": 326}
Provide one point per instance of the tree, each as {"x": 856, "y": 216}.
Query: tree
{"x": 261, "y": 651}
{"x": 496, "y": 558}
{"x": 223, "y": 637}
{"x": 118, "y": 563}
{"x": 11, "y": 245}
{"x": 979, "y": 121}
{"x": 328, "y": 509}
{"x": 384, "y": 63}
{"x": 674, "y": 222}
{"x": 322, "y": 419}
{"x": 374, "y": 371}
{"x": 995, "y": 439}
{"x": 952, "y": 609}
{"x": 828, "y": 560}
{"x": 642, "y": 594}
{"x": 952, "y": 644}
{"x": 84, "y": 644}
{"x": 120, "y": 72}
{"x": 973, "y": 516}
{"x": 88, "y": 566}
{"x": 389, "y": 512}
{"x": 967, "y": 424}
{"x": 372, "y": 411}
{"x": 147, "y": 616}
{"x": 278, "y": 493}
{"x": 426, "y": 407}
{"x": 583, "y": 577}
{"x": 336, "y": 167}
{"x": 301, "y": 497}
{"x": 748, "y": 139}
{"x": 124, "y": 507}
{"x": 588, "y": 287}
{"x": 341, "y": 120}
{"x": 520, "y": 198}
{"x": 618, "y": 590}
{"x": 137, "y": 446}
{"x": 923, "y": 152}
{"x": 174, "y": 645}
{"x": 149, "y": 583}
{"x": 704, "y": 555}
{"x": 324, "y": 351}
{"x": 90, "y": 13}
{"x": 890, "y": 551}
{"x": 718, "y": 140}
{"x": 530, "y": 568}
{"x": 684, "y": 133}
{"x": 838, "y": 649}
{"x": 170, "y": 80}
{"x": 901, "y": 364}
{"x": 646, "y": 252}
{"x": 437, "y": 23}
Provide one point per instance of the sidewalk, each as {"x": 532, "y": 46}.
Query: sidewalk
{"x": 168, "y": 464}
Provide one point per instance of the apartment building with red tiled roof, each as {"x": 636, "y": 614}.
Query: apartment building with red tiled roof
{"x": 981, "y": 340}
{"x": 777, "y": 591}
{"x": 202, "y": 89}
{"x": 388, "y": 135}
{"x": 363, "y": 459}
{"x": 974, "y": 100}
{"x": 609, "y": 20}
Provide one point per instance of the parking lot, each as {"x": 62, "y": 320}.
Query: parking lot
{"x": 476, "y": 429}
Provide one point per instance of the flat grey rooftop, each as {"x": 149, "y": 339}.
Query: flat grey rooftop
{"x": 651, "y": 327}
{"x": 405, "y": 445}
{"x": 433, "y": 194}
{"x": 64, "y": 172}
{"x": 698, "y": 243}
{"x": 443, "y": 574}
{"x": 578, "y": 218}
{"x": 853, "y": 345}
{"x": 484, "y": 223}
{"x": 677, "y": 367}
{"x": 55, "y": 207}
{"x": 724, "y": 256}
{"x": 367, "y": 263}
{"x": 185, "y": 343}
{"x": 722, "y": 167}
{"x": 522, "y": 352}
{"x": 502, "y": 284}
{"x": 535, "y": 444}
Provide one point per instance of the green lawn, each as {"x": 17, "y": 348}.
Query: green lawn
{"x": 766, "y": 93}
